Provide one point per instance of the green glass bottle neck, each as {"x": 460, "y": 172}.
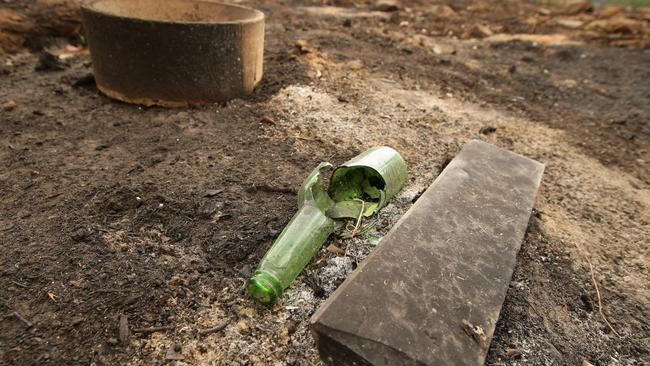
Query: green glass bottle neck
{"x": 265, "y": 287}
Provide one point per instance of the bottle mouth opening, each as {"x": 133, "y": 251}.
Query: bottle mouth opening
{"x": 264, "y": 287}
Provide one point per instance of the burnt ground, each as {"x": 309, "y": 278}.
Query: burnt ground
{"x": 160, "y": 215}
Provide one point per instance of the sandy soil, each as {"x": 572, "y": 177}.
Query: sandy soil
{"x": 159, "y": 216}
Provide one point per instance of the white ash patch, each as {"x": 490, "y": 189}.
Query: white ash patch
{"x": 358, "y": 248}
{"x": 338, "y": 267}
{"x": 334, "y": 272}
{"x": 299, "y": 299}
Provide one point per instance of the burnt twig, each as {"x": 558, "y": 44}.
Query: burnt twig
{"x": 218, "y": 327}
{"x": 27, "y": 323}
{"x": 19, "y": 284}
{"x": 600, "y": 302}
{"x": 153, "y": 329}
{"x": 263, "y": 187}
{"x": 593, "y": 280}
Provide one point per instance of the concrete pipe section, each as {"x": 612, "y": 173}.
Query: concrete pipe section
{"x": 174, "y": 53}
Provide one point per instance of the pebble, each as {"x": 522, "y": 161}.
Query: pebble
{"x": 486, "y": 130}
{"x": 10, "y": 105}
{"x": 243, "y": 327}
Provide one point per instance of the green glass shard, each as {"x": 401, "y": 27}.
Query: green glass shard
{"x": 373, "y": 240}
{"x": 351, "y": 209}
{"x": 374, "y": 176}
{"x": 312, "y": 190}
{"x": 383, "y": 163}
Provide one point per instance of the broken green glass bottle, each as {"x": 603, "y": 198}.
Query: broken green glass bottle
{"x": 361, "y": 186}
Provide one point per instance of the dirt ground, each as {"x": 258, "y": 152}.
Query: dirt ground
{"x": 112, "y": 211}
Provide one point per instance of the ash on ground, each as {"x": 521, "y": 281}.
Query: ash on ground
{"x": 332, "y": 268}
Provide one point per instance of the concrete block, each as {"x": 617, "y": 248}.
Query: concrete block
{"x": 431, "y": 293}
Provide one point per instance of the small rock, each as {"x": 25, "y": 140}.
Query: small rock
{"x": 243, "y": 327}
{"x": 112, "y": 342}
{"x": 476, "y": 332}
{"x": 486, "y": 130}
{"x": 354, "y": 65}
{"x": 207, "y": 209}
{"x": 586, "y": 301}
{"x": 84, "y": 80}
{"x": 10, "y": 105}
{"x": 480, "y": 31}
{"x": 608, "y": 11}
{"x": 444, "y": 11}
{"x": 292, "y": 326}
{"x": 80, "y": 234}
{"x": 570, "y": 7}
{"x": 246, "y": 271}
{"x": 267, "y": 120}
{"x": 102, "y": 147}
{"x": 273, "y": 229}
{"x": 247, "y": 312}
{"x": 512, "y": 352}
{"x": 76, "y": 321}
{"x": 386, "y": 6}
{"x": 212, "y": 192}
{"x": 517, "y": 285}
{"x": 618, "y": 25}
{"x": 49, "y": 62}
{"x": 570, "y": 23}
{"x": 172, "y": 354}
{"x": 303, "y": 46}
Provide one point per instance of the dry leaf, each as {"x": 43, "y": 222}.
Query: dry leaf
{"x": 75, "y": 283}
{"x": 336, "y": 250}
